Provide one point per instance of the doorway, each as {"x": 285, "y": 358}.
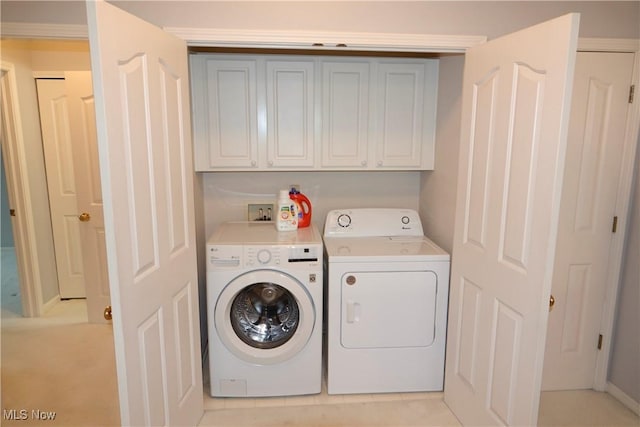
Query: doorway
{"x": 71, "y": 127}
{"x": 76, "y": 350}
{"x": 586, "y": 271}
{"x": 10, "y": 286}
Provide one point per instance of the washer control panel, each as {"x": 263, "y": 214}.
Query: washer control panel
{"x": 237, "y": 256}
{"x": 263, "y": 255}
{"x": 367, "y": 222}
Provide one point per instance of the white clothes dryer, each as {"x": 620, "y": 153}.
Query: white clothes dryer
{"x": 265, "y": 304}
{"x": 388, "y": 288}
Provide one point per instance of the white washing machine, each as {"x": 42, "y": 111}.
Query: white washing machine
{"x": 388, "y": 288}
{"x": 265, "y": 302}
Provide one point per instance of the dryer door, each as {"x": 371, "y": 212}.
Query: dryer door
{"x": 264, "y": 316}
{"x": 385, "y": 309}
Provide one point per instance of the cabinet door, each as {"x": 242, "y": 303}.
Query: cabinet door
{"x": 399, "y": 115}
{"x": 225, "y": 106}
{"x": 345, "y": 114}
{"x": 290, "y": 113}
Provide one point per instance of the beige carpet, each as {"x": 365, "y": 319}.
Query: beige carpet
{"x": 62, "y": 367}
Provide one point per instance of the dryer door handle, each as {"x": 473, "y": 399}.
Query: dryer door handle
{"x": 353, "y": 311}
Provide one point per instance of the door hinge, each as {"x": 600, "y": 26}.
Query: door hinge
{"x": 600, "y": 342}
{"x": 614, "y": 227}
{"x": 632, "y": 91}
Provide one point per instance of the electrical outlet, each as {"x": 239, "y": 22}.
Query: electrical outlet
{"x": 260, "y": 212}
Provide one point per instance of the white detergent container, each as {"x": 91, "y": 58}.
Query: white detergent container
{"x": 287, "y": 213}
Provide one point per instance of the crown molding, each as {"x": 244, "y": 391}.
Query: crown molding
{"x": 307, "y": 39}
{"x": 608, "y": 45}
{"x": 52, "y": 31}
{"x": 269, "y": 38}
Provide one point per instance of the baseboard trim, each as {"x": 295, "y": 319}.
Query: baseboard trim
{"x": 624, "y": 398}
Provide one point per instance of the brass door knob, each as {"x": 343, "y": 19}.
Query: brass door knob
{"x": 107, "y": 313}
{"x": 84, "y": 217}
{"x": 552, "y": 302}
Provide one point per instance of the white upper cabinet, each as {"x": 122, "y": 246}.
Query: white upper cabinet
{"x": 399, "y": 115}
{"x": 291, "y": 112}
{"x": 345, "y": 114}
{"x": 225, "y": 124}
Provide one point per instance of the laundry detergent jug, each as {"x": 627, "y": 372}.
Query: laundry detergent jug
{"x": 287, "y": 213}
{"x": 304, "y": 208}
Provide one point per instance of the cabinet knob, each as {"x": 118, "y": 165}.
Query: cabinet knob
{"x": 379, "y": 162}
{"x": 363, "y": 163}
{"x": 270, "y": 163}
{"x": 253, "y": 163}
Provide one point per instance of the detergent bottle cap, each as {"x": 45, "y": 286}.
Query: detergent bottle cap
{"x": 284, "y": 194}
{"x": 294, "y": 191}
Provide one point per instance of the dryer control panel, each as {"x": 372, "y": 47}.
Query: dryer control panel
{"x": 368, "y": 222}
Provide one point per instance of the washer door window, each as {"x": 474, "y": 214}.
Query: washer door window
{"x": 264, "y": 316}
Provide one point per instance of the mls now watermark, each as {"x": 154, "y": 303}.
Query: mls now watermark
{"x": 25, "y": 414}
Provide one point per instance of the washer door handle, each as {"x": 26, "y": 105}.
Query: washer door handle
{"x": 353, "y": 311}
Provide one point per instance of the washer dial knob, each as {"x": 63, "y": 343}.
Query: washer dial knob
{"x": 264, "y": 256}
{"x": 344, "y": 220}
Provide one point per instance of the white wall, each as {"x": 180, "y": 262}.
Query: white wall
{"x": 51, "y": 55}
{"x": 617, "y": 19}
{"x": 227, "y": 194}
{"x": 624, "y": 367}
{"x": 438, "y": 187}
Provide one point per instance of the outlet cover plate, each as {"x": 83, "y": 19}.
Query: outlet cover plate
{"x": 260, "y": 212}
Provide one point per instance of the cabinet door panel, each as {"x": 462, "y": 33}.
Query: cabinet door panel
{"x": 399, "y": 115}
{"x": 226, "y": 131}
{"x": 345, "y": 114}
{"x": 290, "y": 113}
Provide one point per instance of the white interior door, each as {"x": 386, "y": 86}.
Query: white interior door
{"x": 592, "y": 174}
{"x": 58, "y": 154}
{"x": 515, "y": 114}
{"x": 82, "y": 115}
{"x": 141, "y": 90}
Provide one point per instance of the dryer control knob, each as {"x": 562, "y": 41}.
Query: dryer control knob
{"x": 344, "y": 220}
{"x": 264, "y": 256}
